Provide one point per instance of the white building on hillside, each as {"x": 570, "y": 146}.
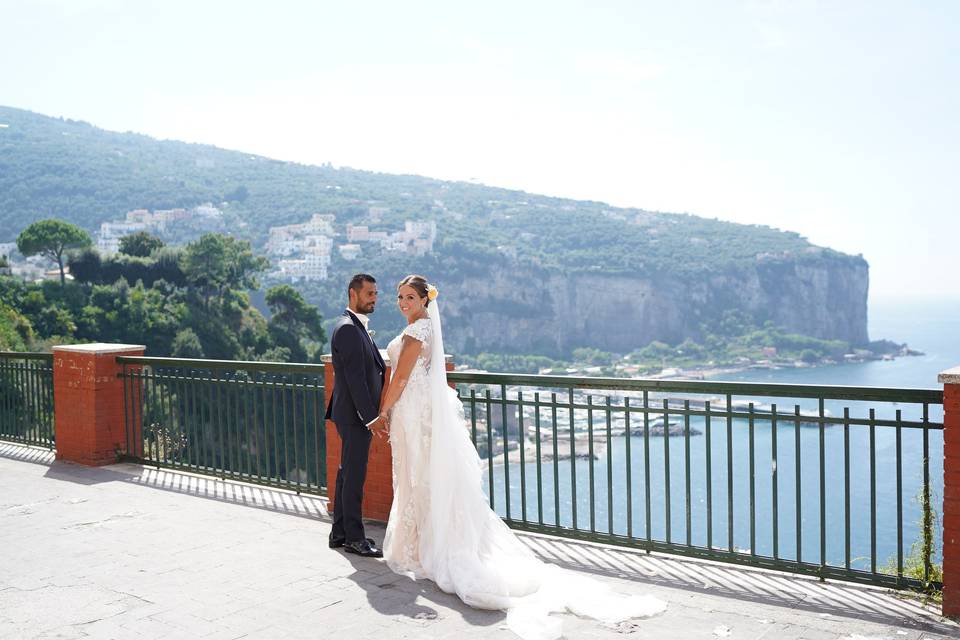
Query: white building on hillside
{"x": 358, "y": 233}
{"x": 421, "y": 229}
{"x": 416, "y": 238}
{"x": 294, "y": 238}
{"x": 350, "y": 251}
{"x": 313, "y": 266}
{"x": 108, "y": 238}
{"x": 206, "y": 211}
{"x": 160, "y": 222}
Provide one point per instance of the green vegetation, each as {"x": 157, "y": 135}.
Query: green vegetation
{"x": 140, "y": 244}
{"x": 16, "y": 333}
{"x": 919, "y": 563}
{"x": 508, "y": 363}
{"x": 216, "y": 266}
{"x": 189, "y": 302}
{"x": 745, "y": 345}
{"x": 51, "y": 238}
{"x": 735, "y": 344}
{"x": 295, "y": 326}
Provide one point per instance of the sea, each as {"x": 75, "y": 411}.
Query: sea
{"x": 760, "y": 502}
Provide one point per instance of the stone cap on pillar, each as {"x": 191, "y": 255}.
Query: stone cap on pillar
{"x": 950, "y": 376}
{"x": 100, "y": 347}
{"x": 326, "y": 358}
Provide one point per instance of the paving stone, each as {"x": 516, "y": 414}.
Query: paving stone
{"x": 133, "y": 553}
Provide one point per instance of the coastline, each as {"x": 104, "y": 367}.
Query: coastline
{"x": 706, "y": 371}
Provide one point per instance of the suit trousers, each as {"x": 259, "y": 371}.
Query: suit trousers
{"x": 352, "y": 473}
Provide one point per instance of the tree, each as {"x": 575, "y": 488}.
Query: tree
{"x": 85, "y": 265}
{"x": 168, "y": 265}
{"x": 16, "y": 333}
{"x": 690, "y": 349}
{"x": 140, "y": 244}
{"x": 294, "y": 323}
{"x": 215, "y": 264}
{"x": 51, "y": 238}
{"x": 55, "y": 321}
{"x": 186, "y": 344}
{"x": 588, "y": 355}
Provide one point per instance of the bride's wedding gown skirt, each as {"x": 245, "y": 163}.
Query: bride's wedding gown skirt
{"x": 442, "y": 528}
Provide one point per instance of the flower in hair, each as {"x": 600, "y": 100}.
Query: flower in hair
{"x": 432, "y": 292}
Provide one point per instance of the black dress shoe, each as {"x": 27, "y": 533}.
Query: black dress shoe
{"x": 363, "y": 548}
{"x": 336, "y": 543}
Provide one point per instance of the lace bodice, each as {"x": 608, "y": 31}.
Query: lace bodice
{"x": 419, "y": 330}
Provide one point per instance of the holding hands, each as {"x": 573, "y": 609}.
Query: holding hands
{"x": 381, "y": 426}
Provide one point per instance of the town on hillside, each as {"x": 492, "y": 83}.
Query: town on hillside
{"x": 303, "y": 251}
{"x": 298, "y": 252}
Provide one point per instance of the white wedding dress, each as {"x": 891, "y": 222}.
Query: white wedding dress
{"x": 442, "y": 528}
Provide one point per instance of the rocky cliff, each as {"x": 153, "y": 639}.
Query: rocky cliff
{"x": 531, "y": 311}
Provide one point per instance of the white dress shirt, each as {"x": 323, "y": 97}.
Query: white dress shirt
{"x": 364, "y": 320}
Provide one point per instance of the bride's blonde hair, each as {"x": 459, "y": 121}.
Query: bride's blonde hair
{"x": 419, "y": 284}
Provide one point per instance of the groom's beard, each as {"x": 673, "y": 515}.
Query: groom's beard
{"x": 367, "y": 309}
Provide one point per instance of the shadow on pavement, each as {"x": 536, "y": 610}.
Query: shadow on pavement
{"x": 395, "y": 595}
{"x": 837, "y": 599}
{"x": 26, "y": 453}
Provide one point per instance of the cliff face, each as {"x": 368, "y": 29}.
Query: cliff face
{"x": 521, "y": 311}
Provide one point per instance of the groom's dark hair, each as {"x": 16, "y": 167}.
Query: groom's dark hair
{"x": 356, "y": 282}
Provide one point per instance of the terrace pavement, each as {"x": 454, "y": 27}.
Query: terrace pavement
{"x": 131, "y": 552}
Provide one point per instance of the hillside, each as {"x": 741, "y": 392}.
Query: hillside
{"x": 519, "y": 272}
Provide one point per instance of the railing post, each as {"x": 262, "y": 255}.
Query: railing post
{"x": 378, "y": 489}
{"x": 951, "y": 491}
{"x": 88, "y": 401}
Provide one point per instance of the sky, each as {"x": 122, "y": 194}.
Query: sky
{"x": 837, "y": 120}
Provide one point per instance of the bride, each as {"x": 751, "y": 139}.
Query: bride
{"x": 440, "y": 524}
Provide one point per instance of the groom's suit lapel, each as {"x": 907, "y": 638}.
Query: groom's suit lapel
{"x": 376, "y": 353}
{"x": 371, "y": 344}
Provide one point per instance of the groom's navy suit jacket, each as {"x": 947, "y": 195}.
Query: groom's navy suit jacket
{"x": 358, "y": 373}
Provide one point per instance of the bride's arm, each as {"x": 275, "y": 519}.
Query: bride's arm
{"x": 409, "y": 352}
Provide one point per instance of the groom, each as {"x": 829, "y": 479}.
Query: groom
{"x": 355, "y": 408}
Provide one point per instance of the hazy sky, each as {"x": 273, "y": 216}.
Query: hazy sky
{"x": 838, "y": 120}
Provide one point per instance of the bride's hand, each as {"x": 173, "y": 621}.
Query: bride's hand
{"x": 381, "y": 426}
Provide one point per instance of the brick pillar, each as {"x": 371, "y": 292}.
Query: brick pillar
{"x": 378, "y": 488}
{"x": 88, "y": 401}
{"x": 951, "y": 491}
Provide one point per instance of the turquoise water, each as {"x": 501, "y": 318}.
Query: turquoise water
{"x": 929, "y": 326}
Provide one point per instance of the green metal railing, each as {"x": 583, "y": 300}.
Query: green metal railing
{"x": 824, "y": 480}
{"x": 833, "y": 481}
{"x": 26, "y": 398}
{"x": 252, "y": 421}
